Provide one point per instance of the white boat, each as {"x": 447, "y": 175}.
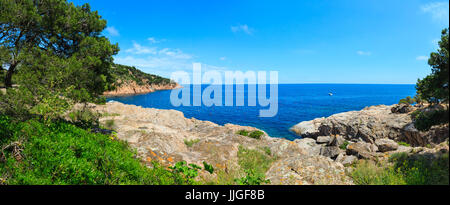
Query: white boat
{"x": 330, "y": 94}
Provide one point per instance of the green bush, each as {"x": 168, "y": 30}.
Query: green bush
{"x": 404, "y": 144}
{"x": 404, "y": 170}
{"x": 190, "y": 143}
{"x": 408, "y": 100}
{"x": 425, "y": 120}
{"x": 256, "y": 134}
{"x": 243, "y": 132}
{"x": 255, "y": 163}
{"x": 61, "y": 153}
{"x": 252, "y": 178}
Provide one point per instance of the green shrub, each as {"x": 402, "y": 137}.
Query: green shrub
{"x": 252, "y": 178}
{"x": 109, "y": 124}
{"x": 189, "y": 171}
{"x": 254, "y": 163}
{"x": 209, "y": 168}
{"x": 408, "y": 100}
{"x": 344, "y": 145}
{"x": 404, "y": 144}
{"x": 190, "y": 143}
{"x": 61, "y": 153}
{"x": 243, "y": 132}
{"x": 425, "y": 120}
{"x": 256, "y": 134}
{"x": 369, "y": 173}
{"x": 404, "y": 170}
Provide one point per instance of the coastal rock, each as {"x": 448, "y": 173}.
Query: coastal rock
{"x": 132, "y": 88}
{"x": 362, "y": 150}
{"x": 336, "y": 141}
{"x": 307, "y": 170}
{"x": 385, "y": 145}
{"x": 169, "y": 137}
{"x": 308, "y": 145}
{"x": 308, "y": 129}
{"x": 346, "y": 159}
{"x": 371, "y": 123}
{"x": 330, "y": 151}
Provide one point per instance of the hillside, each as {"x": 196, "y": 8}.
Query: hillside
{"x": 130, "y": 80}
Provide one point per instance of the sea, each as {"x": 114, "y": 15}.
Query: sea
{"x": 296, "y": 103}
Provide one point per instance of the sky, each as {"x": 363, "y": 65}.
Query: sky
{"x": 320, "y": 41}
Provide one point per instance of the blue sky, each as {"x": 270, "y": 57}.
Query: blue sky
{"x": 339, "y": 41}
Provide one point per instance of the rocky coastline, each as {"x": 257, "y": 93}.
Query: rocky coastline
{"x": 323, "y": 156}
{"x": 373, "y": 133}
{"x": 132, "y": 88}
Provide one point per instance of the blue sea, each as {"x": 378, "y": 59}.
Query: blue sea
{"x": 296, "y": 103}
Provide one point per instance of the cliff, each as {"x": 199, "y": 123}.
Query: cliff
{"x": 130, "y": 80}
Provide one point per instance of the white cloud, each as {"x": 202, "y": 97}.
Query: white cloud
{"x": 244, "y": 28}
{"x": 159, "y": 61}
{"x": 438, "y": 11}
{"x": 139, "y": 49}
{"x": 364, "y": 53}
{"x": 154, "y": 40}
{"x": 112, "y": 31}
{"x": 175, "y": 53}
{"x": 223, "y": 58}
{"x": 422, "y": 58}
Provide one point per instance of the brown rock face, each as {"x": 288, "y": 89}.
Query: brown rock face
{"x": 131, "y": 88}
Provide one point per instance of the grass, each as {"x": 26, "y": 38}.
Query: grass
{"x": 109, "y": 124}
{"x": 404, "y": 169}
{"x": 256, "y": 134}
{"x": 61, "y": 153}
{"x": 253, "y": 134}
{"x": 255, "y": 160}
{"x": 404, "y": 144}
{"x": 243, "y": 132}
{"x": 344, "y": 145}
{"x": 190, "y": 143}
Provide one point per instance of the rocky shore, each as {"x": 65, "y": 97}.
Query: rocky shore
{"x": 322, "y": 156}
{"x": 132, "y": 88}
{"x": 161, "y": 135}
{"x": 372, "y": 133}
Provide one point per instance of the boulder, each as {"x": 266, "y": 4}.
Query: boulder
{"x": 386, "y": 145}
{"x": 336, "y": 141}
{"x": 330, "y": 151}
{"x": 402, "y": 108}
{"x": 349, "y": 160}
{"x": 309, "y": 145}
{"x": 323, "y": 139}
{"x": 345, "y": 159}
{"x": 362, "y": 150}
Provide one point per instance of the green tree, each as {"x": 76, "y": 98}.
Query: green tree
{"x": 59, "y": 29}
{"x": 434, "y": 87}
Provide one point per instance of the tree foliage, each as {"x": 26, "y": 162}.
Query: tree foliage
{"x": 434, "y": 87}
{"x": 58, "y": 31}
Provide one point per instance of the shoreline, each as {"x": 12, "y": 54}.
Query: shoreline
{"x": 132, "y": 92}
{"x": 167, "y": 136}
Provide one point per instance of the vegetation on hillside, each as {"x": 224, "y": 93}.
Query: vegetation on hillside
{"x": 34, "y": 152}
{"x": 403, "y": 169}
{"x": 55, "y": 53}
{"x": 127, "y": 74}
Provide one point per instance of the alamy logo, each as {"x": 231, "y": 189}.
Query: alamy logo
{"x": 256, "y": 83}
